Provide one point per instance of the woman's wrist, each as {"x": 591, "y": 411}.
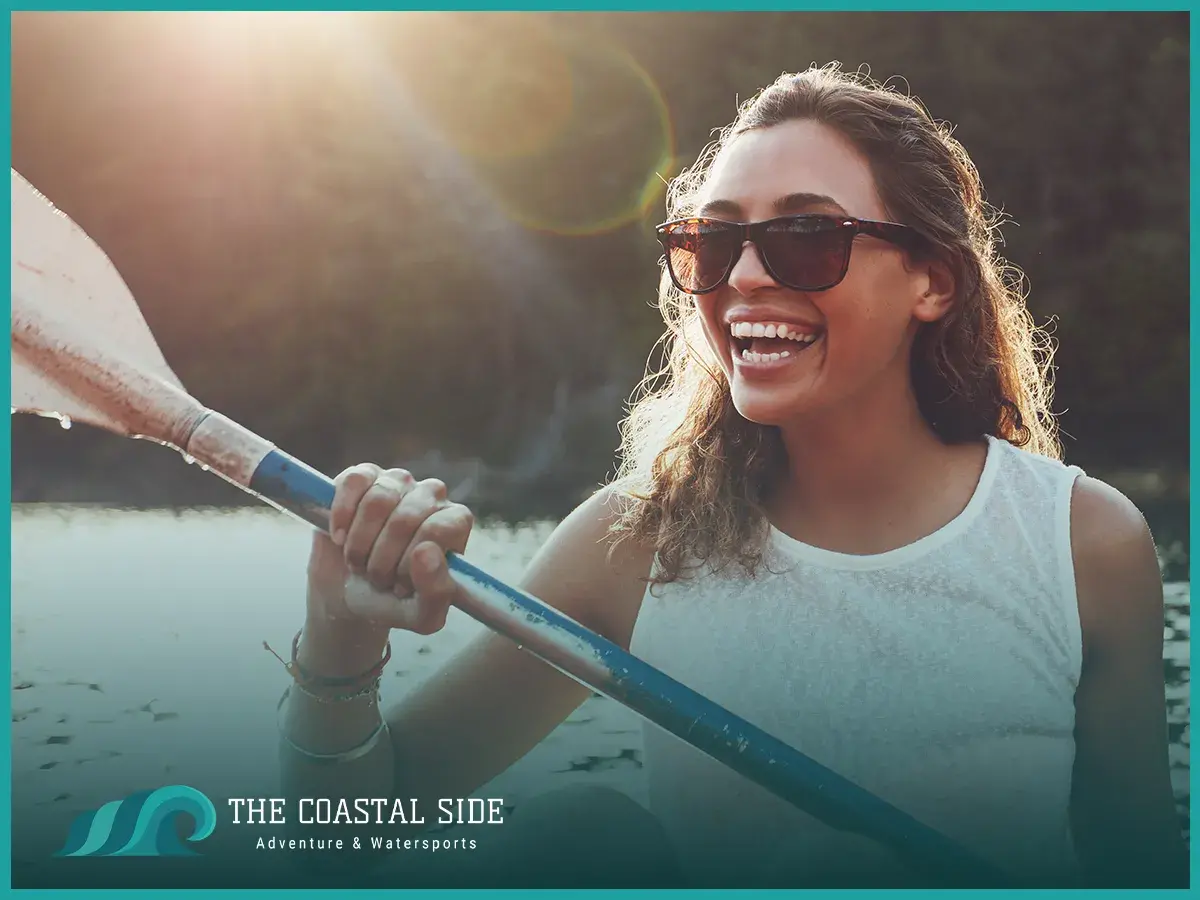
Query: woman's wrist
{"x": 340, "y": 648}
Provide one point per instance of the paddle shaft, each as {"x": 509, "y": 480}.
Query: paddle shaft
{"x": 605, "y": 667}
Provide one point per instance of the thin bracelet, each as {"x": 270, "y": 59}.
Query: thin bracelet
{"x": 301, "y": 675}
{"x": 371, "y": 689}
{"x": 329, "y": 759}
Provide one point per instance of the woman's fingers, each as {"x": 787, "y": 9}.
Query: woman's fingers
{"x": 375, "y": 506}
{"x": 448, "y": 527}
{"x": 396, "y": 533}
{"x": 423, "y": 612}
{"x": 424, "y": 590}
{"x": 349, "y": 488}
{"x": 434, "y": 586}
{"x": 380, "y": 519}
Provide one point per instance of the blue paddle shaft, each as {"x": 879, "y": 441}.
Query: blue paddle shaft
{"x": 600, "y": 664}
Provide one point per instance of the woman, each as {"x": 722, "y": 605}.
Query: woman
{"x": 841, "y": 515}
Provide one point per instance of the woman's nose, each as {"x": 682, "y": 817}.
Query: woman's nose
{"x": 749, "y": 274}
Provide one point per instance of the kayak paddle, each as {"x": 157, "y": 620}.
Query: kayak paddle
{"x": 81, "y": 349}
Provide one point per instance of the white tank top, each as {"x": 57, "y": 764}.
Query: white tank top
{"x": 940, "y": 676}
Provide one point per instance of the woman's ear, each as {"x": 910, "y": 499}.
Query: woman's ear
{"x": 939, "y": 291}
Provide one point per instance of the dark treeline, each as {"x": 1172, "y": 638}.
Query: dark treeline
{"x": 380, "y": 236}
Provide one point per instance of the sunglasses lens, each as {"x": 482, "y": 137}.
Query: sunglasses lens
{"x": 806, "y": 253}
{"x": 699, "y": 253}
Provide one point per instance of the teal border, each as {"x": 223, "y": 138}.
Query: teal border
{"x": 1193, "y": 335}
{"x": 6, "y": 453}
{"x": 681, "y": 5}
{"x": 531, "y": 5}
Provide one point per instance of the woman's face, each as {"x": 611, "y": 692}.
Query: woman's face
{"x": 856, "y": 336}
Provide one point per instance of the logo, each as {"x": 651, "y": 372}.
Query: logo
{"x": 142, "y": 824}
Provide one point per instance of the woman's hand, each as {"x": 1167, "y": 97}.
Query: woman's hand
{"x": 383, "y": 564}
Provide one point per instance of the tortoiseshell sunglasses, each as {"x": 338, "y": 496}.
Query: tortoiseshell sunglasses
{"x": 802, "y": 252}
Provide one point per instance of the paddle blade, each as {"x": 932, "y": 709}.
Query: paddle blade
{"x": 59, "y": 274}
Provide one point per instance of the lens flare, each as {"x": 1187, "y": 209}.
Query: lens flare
{"x": 567, "y": 131}
{"x": 496, "y": 85}
{"x": 604, "y": 169}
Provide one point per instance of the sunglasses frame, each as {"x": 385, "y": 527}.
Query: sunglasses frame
{"x": 904, "y": 236}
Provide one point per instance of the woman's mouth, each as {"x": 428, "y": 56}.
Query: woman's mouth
{"x": 770, "y": 343}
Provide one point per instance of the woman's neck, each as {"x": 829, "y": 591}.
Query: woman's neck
{"x": 869, "y": 477}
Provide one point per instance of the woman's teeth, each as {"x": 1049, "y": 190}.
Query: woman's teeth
{"x": 764, "y": 342}
{"x": 770, "y": 330}
{"x": 750, "y": 356}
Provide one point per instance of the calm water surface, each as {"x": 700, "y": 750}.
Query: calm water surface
{"x": 127, "y": 625}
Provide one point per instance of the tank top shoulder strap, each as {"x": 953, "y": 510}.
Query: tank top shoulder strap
{"x": 1038, "y": 492}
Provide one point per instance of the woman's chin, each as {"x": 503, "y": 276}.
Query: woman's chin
{"x": 770, "y": 407}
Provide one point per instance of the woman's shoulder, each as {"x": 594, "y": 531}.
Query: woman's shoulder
{"x": 589, "y": 571}
{"x": 1118, "y": 580}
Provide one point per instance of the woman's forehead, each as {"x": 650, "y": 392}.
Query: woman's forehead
{"x": 799, "y": 166}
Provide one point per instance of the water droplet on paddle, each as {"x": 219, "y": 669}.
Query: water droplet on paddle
{"x": 65, "y": 422}
{"x": 190, "y": 460}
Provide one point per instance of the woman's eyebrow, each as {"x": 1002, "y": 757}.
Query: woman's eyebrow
{"x": 788, "y": 203}
{"x": 792, "y": 203}
{"x": 728, "y": 208}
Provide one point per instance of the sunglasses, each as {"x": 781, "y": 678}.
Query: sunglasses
{"x": 802, "y": 253}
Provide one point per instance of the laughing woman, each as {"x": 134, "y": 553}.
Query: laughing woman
{"x": 841, "y": 515}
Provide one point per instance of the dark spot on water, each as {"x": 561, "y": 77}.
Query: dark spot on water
{"x": 162, "y": 717}
{"x": 619, "y": 731}
{"x": 49, "y": 765}
{"x": 102, "y": 721}
{"x": 424, "y": 648}
{"x": 22, "y": 715}
{"x": 108, "y": 754}
{"x": 23, "y": 686}
{"x": 582, "y": 721}
{"x": 1175, "y": 672}
{"x": 602, "y": 763}
{"x": 60, "y": 798}
{"x": 400, "y": 673}
{"x": 59, "y": 739}
{"x": 90, "y": 685}
{"x": 62, "y": 721}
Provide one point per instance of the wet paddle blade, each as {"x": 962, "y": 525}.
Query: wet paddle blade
{"x": 60, "y": 276}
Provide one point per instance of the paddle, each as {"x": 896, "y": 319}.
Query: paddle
{"x": 80, "y": 348}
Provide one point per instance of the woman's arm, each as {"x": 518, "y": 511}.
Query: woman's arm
{"x": 486, "y": 707}
{"x": 493, "y": 703}
{"x": 1123, "y": 816}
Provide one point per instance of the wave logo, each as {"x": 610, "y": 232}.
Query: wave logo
{"x": 142, "y": 824}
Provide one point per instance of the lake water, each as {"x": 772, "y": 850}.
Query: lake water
{"x": 128, "y": 624}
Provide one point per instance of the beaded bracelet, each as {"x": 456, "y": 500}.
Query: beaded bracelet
{"x": 328, "y": 759}
{"x": 301, "y": 676}
{"x": 371, "y": 689}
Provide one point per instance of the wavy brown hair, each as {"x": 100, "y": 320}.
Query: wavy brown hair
{"x": 694, "y": 472}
